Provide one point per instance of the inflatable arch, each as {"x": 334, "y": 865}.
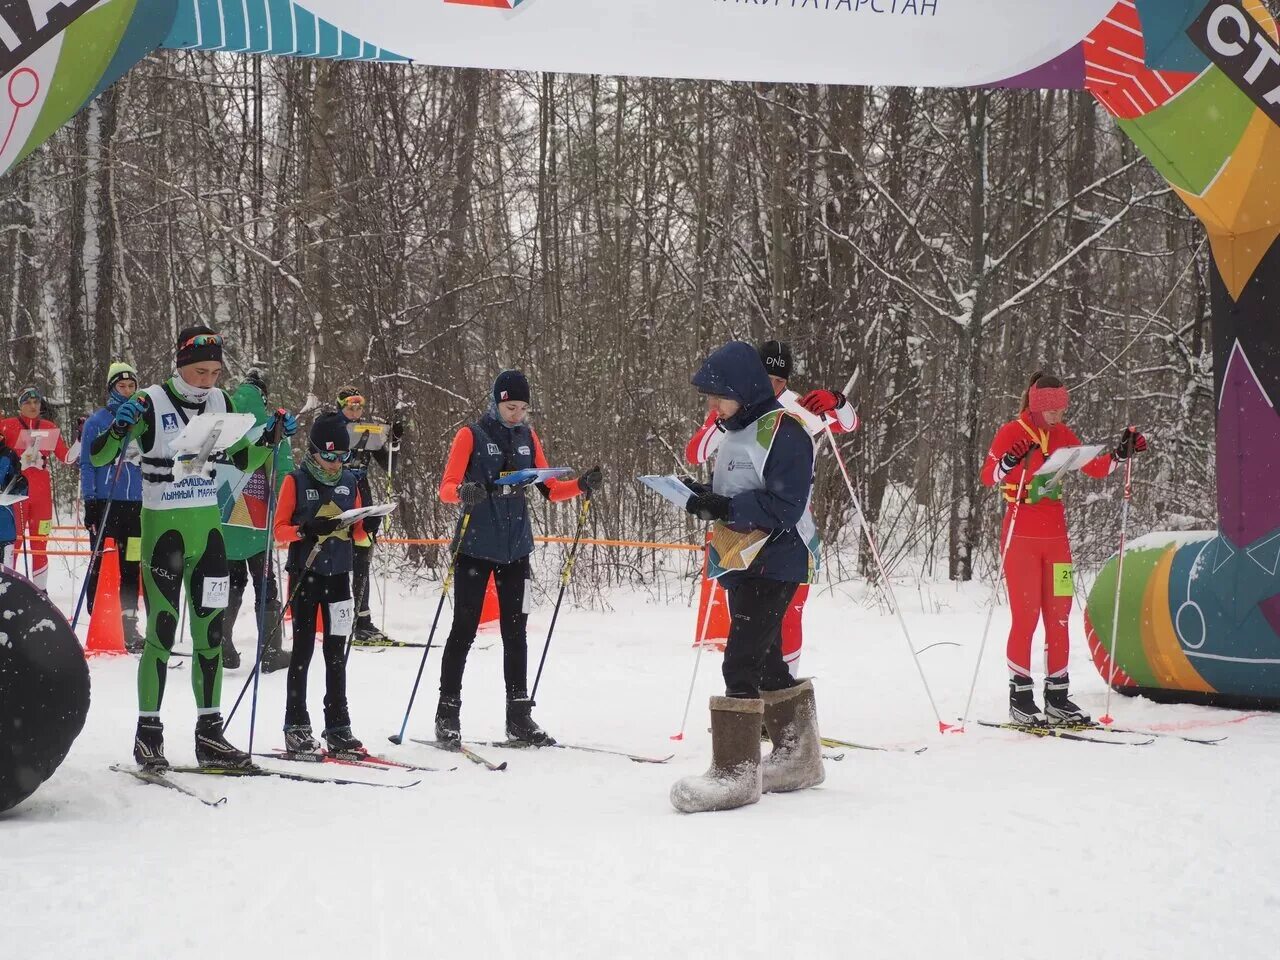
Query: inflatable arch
{"x": 1194, "y": 83}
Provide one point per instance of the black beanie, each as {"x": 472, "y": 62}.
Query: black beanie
{"x": 510, "y": 385}
{"x": 776, "y": 357}
{"x": 255, "y": 378}
{"x": 188, "y": 353}
{"x": 329, "y": 434}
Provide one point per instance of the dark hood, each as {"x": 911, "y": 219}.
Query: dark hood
{"x": 735, "y": 371}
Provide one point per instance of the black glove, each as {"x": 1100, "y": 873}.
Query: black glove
{"x": 709, "y": 506}
{"x": 1131, "y": 442}
{"x": 472, "y": 493}
{"x": 318, "y": 527}
{"x": 93, "y": 513}
{"x": 1014, "y": 455}
{"x": 397, "y": 430}
{"x": 694, "y": 485}
{"x": 590, "y": 481}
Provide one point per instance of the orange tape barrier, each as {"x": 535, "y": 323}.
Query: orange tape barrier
{"x": 406, "y": 542}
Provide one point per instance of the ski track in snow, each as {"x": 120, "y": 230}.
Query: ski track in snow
{"x": 989, "y": 845}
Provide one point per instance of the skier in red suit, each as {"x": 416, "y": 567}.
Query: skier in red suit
{"x": 1037, "y": 565}
{"x": 34, "y": 515}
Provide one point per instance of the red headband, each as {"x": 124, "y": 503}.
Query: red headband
{"x": 1040, "y": 399}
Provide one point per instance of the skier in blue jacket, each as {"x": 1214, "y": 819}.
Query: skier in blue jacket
{"x": 124, "y": 520}
{"x": 764, "y": 544}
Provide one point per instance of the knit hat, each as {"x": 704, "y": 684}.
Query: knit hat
{"x": 510, "y": 385}
{"x": 255, "y": 378}
{"x": 776, "y": 357}
{"x": 120, "y": 370}
{"x": 329, "y": 434}
{"x": 198, "y": 345}
{"x": 30, "y": 393}
{"x": 1041, "y": 399}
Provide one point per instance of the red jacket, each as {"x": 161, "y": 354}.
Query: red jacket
{"x": 1047, "y": 517}
{"x": 38, "y": 482}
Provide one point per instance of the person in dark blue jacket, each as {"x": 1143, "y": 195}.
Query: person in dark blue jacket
{"x": 763, "y": 545}
{"x": 124, "y": 520}
{"x": 497, "y": 544}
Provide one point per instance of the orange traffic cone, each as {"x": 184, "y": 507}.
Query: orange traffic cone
{"x": 106, "y": 624}
{"x": 490, "y": 612}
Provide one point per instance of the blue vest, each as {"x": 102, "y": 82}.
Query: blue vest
{"x": 499, "y": 530}
{"x": 313, "y": 496}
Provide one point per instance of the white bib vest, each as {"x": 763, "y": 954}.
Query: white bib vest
{"x": 159, "y": 489}
{"x": 740, "y": 463}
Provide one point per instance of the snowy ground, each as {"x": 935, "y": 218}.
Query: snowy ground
{"x": 989, "y": 845}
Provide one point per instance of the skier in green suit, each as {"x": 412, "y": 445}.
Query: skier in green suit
{"x": 182, "y": 544}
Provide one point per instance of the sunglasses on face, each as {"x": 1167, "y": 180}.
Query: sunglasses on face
{"x": 334, "y": 456}
{"x": 204, "y": 340}
{"x": 353, "y": 402}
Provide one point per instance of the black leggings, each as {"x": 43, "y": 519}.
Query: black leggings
{"x": 753, "y": 655}
{"x": 242, "y": 571}
{"x": 124, "y": 524}
{"x": 471, "y": 581}
{"x": 312, "y": 600}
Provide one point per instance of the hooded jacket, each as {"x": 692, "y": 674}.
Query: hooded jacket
{"x": 735, "y": 371}
{"x": 95, "y": 482}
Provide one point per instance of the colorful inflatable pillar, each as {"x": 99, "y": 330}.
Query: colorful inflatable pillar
{"x": 1200, "y": 615}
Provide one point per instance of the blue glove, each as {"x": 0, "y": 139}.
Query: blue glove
{"x": 288, "y": 426}
{"x": 127, "y": 415}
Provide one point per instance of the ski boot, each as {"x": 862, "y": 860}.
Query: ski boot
{"x": 341, "y": 740}
{"x": 212, "y": 748}
{"x": 1022, "y": 703}
{"x": 230, "y": 655}
{"x": 521, "y": 726}
{"x": 148, "y": 744}
{"x": 448, "y": 722}
{"x": 367, "y": 635}
{"x": 734, "y": 777}
{"x": 298, "y": 738}
{"x": 274, "y": 657}
{"x": 134, "y": 639}
{"x": 1059, "y": 710}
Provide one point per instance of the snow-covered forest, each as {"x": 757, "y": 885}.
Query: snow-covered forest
{"x": 414, "y": 230}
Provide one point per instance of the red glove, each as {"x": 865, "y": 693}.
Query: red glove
{"x": 822, "y": 402}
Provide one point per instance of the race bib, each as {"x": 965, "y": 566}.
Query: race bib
{"x": 1064, "y": 584}
{"x": 216, "y": 592}
{"x": 45, "y": 528}
{"x": 133, "y": 550}
{"x": 341, "y": 618}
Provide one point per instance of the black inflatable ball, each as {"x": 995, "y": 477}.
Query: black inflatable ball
{"x": 44, "y": 688}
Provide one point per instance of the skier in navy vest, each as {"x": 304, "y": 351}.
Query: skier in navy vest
{"x": 498, "y": 541}
{"x": 763, "y": 545}
{"x": 311, "y": 499}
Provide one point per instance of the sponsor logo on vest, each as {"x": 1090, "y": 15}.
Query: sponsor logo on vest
{"x": 169, "y": 422}
{"x": 494, "y": 451}
{"x": 740, "y": 465}
{"x": 313, "y": 494}
{"x": 189, "y": 489}
{"x": 342, "y": 489}
{"x": 523, "y": 451}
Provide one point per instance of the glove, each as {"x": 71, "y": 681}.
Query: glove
{"x": 1131, "y": 442}
{"x": 471, "y": 493}
{"x": 709, "y": 506}
{"x": 822, "y": 402}
{"x": 1015, "y": 454}
{"x": 93, "y": 514}
{"x": 694, "y": 485}
{"x": 318, "y": 527}
{"x": 397, "y": 430}
{"x": 288, "y": 426}
{"x": 127, "y": 415}
{"x": 590, "y": 481}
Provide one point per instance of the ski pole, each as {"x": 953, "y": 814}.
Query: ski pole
{"x": 96, "y": 553}
{"x": 261, "y": 596}
{"x": 564, "y": 582}
{"x": 1106, "y": 717}
{"x": 391, "y": 480}
{"x": 888, "y": 586}
{"x": 697, "y": 659}
{"x": 444, "y": 592}
{"x": 991, "y": 611}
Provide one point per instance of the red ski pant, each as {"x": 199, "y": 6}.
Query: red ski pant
{"x": 32, "y": 518}
{"x": 1038, "y": 573}
{"x": 793, "y": 629}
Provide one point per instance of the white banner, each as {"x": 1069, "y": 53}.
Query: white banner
{"x": 870, "y": 42}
